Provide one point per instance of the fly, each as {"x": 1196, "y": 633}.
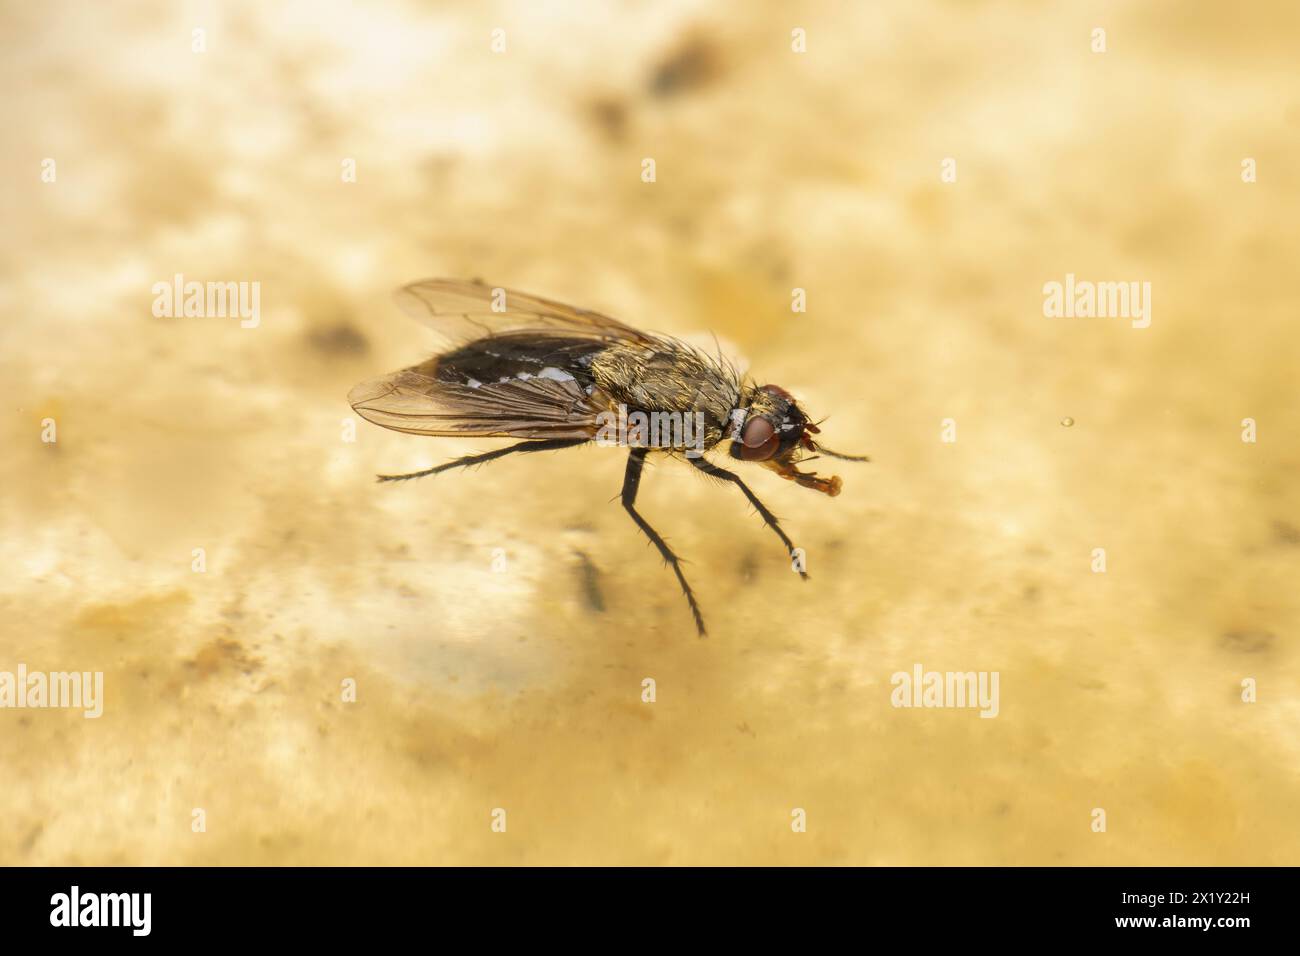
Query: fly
{"x": 554, "y": 376}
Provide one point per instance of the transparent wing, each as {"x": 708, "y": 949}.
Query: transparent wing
{"x": 415, "y": 401}
{"x": 462, "y": 311}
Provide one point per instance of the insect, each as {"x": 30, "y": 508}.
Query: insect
{"x": 555, "y": 376}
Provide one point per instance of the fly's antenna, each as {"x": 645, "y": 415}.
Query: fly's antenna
{"x": 834, "y": 454}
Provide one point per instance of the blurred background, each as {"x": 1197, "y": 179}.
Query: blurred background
{"x": 518, "y": 686}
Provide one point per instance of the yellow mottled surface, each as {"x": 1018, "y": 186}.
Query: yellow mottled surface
{"x": 520, "y": 688}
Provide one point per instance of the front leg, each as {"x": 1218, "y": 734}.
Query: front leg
{"x": 631, "y": 481}
{"x": 768, "y": 518}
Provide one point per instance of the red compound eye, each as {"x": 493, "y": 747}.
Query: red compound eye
{"x": 759, "y": 440}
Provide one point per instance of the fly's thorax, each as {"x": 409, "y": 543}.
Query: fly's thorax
{"x": 669, "y": 379}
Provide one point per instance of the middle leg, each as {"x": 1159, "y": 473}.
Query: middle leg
{"x": 631, "y": 481}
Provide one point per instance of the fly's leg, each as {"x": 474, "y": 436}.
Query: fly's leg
{"x": 547, "y": 444}
{"x": 768, "y": 518}
{"x": 631, "y": 480}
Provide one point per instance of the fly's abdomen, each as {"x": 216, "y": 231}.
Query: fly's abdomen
{"x": 517, "y": 357}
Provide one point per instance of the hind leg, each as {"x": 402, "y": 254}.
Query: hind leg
{"x": 546, "y": 444}
{"x": 631, "y": 481}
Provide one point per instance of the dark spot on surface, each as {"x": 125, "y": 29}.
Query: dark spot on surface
{"x": 338, "y": 339}
{"x": 220, "y": 655}
{"x": 1247, "y": 641}
{"x": 609, "y": 115}
{"x": 29, "y": 841}
{"x": 589, "y": 575}
{"x": 748, "y": 568}
{"x": 692, "y": 64}
{"x": 1286, "y": 532}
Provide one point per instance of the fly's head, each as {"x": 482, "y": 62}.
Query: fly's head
{"x": 773, "y": 431}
